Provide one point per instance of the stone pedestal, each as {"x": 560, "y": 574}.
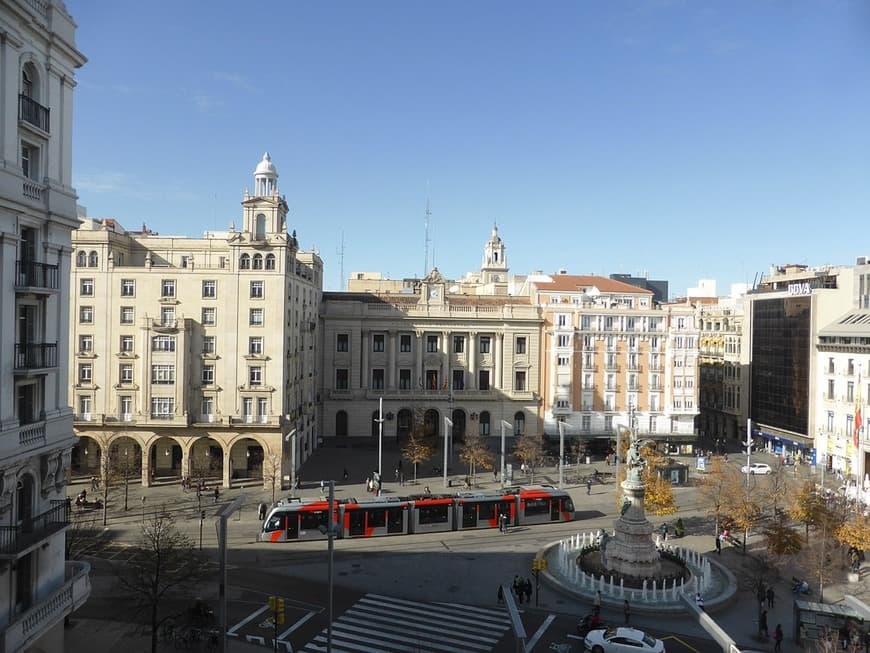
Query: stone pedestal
{"x": 631, "y": 550}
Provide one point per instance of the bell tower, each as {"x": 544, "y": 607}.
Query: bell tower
{"x": 494, "y": 268}
{"x": 265, "y": 212}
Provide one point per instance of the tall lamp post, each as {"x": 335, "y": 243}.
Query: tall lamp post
{"x": 330, "y": 530}
{"x": 291, "y": 437}
{"x": 448, "y": 426}
{"x": 380, "y": 421}
{"x": 561, "y": 426}
{"x": 503, "y": 425}
{"x": 748, "y": 444}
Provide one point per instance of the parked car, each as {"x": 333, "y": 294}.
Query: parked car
{"x": 619, "y": 640}
{"x": 757, "y": 468}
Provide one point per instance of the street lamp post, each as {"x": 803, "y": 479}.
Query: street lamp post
{"x": 561, "y": 426}
{"x": 748, "y": 444}
{"x": 330, "y": 530}
{"x": 291, "y": 437}
{"x": 503, "y": 425}
{"x": 221, "y": 527}
{"x": 380, "y": 421}
{"x": 447, "y": 423}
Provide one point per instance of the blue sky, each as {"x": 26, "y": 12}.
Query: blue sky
{"x": 685, "y": 139}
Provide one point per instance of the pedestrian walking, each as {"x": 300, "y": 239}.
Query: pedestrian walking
{"x": 596, "y": 602}
{"x": 345, "y": 475}
{"x": 770, "y": 596}
{"x": 719, "y": 544}
{"x": 500, "y": 595}
{"x": 777, "y": 637}
{"x": 762, "y": 623}
{"x": 699, "y": 601}
{"x": 517, "y": 588}
{"x": 322, "y": 487}
{"x": 504, "y": 523}
{"x": 665, "y": 532}
{"x": 494, "y": 475}
{"x": 401, "y": 477}
{"x": 588, "y": 486}
{"x": 527, "y": 588}
{"x": 626, "y": 610}
{"x": 217, "y": 493}
{"x": 261, "y": 511}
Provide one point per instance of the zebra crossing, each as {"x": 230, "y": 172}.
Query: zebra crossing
{"x": 382, "y": 624}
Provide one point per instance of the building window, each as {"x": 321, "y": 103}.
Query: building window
{"x": 86, "y": 314}
{"x": 484, "y": 344}
{"x": 255, "y": 345}
{"x": 483, "y": 423}
{"x": 850, "y": 392}
{"x": 652, "y": 424}
{"x": 562, "y": 319}
{"x": 520, "y": 345}
{"x": 86, "y": 373}
{"x": 93, "y": 259}
{"x": 342, "y": 342}
{"x": 458, "y": 344}
{"x": 162, "y": 407}
{"x": 209, "y": 316}
{"x": 270, "y": 261}
{"x": 255, "y": 317}
{"x": 432, "y": 344}
{"x": 341, "y": 379}
{"x": 208, "y": 345}
{"x": 167, "y": 316}
{"x": 209, "y": 289}
{"x": 483, "y": 380}
{"x": 128, "y": 315}
{"x": 163, "y": 374}
{"x": 86, "y": 343}
{"x": 432, "y": 380}
{"x": 163, "y": 343}
{"x": 208, "y": 375}
{"x": 30, "y": 161}
{"x": 125, "y": 373}
{"x": 520, "y": 381}
{"x": 127, "y": 344}
{"x": 378, "y": 342}
{"x": 377, "y": 379}
{"x": 263, "y": 409}
{"x": 125, "y": 407}
{"x": 128, "y": 287}
{"x": 258, "y": 290}
{"x": 404, "y": 379}
{"x": 405, "y": 343}
{"x": 244, "y": 262}
{"x": 167, "y": 288}
{"x": 586, "y": 423}
{"x": 563, "y": 341}
{"x": 608, "y": 423}
{"x": 255, "y": 375}
{"x": 459, "y": 379}
{"x": 206, "y": 408}
{"x": 248, "y": 409}
{"x": 563, "y": 361}
{"x": 257, "y": 261}
{"x": 81, "y": 259}
{"x": 86, "y": 288}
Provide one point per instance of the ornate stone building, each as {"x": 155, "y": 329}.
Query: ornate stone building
{"x": 196, "y": 357}
{"x": 37, "y": 213}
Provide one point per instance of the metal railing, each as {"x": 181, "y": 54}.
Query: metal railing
{"x": 35, "y": 275}
{"x": 29, "y": 110}
{"x": 14, "y": 539}
{"x": 29, "y": 356}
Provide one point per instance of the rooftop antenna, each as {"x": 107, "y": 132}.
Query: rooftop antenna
{"x": 341, "y": 262}
{"x": 426, "y": 236}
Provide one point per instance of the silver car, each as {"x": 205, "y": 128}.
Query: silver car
{"x": 621, "y": 640}
{"x": 757, "y": 468}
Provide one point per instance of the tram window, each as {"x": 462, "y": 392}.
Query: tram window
{"x": 394, "y": 520}
{"x": 567, "y": 504}
{"x": 433, "y": 514}
{"x": 537, "y": 506}
{"x": 274, "y": 524}
{"x": 469, "y": 515}
{"x": 312, "y": 520}
{"x": 377, "y": 518}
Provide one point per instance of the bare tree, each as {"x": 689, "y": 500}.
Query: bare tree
{"x": 778, "y": 487}
{"x": 714, "y": 485}
{"x": 475, "y": 453}
{"x": 818, "y": 554}
{"x": 529, "y": 449}
{"x": 742, "y": 502}
{"x": 758, "y": 572}
{"x": 166, "y": 562}
{"x": 272, "y": 472}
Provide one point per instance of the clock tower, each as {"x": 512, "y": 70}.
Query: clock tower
{"x": 433, "y": 288}
{"x": 494, "y": 268}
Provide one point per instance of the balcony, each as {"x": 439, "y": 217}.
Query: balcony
{"x": 30, "y": 434}
{"x": 15, "y": 540}
{"x": 32, "y": 112}
{"x": 35, "y": 356}
{"x": 29, "y": 274}
{"x": 68, "y": 598}
{"x": 164, "y": 325}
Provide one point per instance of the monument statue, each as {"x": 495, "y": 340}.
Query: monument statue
{"x": 634, "y": 460}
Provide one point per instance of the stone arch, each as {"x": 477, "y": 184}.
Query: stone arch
{"x": 404, "y": 423}
{"x": 165, "y": 458}
{"x": 205, "y": 457}
{"x": 431, "y": 423}
{"x": 459, "y": 421}
{"x": 85, "y": 457}
{"x": 26, "y": 488}
{"x": 247, "y": 458}
{"x": 519, "y": 423}
{"x": 483, "y": 422}
{"x": 125, "y": 456}
{"x": 341, "y": 423}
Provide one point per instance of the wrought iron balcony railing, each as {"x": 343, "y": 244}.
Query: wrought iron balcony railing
{"x": 31, "y": 274}
{"x": 29, "y": 110}
{"x": 32, "y": 356}
{"x": 14, "y": 539}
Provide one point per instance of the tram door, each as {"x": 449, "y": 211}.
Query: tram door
{"x": 504, "y": 508}
{"x": 292, "y": 526}
{"x": 357, "y": 522}
{"x": 554, "y": 509}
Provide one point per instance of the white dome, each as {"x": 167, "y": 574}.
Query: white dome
{"x": 266, "y": 167}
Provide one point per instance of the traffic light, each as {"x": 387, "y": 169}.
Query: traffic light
{"x": 272, "y": 603}
{"x": 539, "y": 564}
{"x": 279, "y": 612}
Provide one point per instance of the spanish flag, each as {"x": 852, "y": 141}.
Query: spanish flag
{"x": 857, "y": 423}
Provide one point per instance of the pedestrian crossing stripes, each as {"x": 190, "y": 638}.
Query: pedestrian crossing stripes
{"x": 382, "y": 624}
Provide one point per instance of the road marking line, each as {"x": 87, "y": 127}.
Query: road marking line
{"x": 247, "y": 619}
{"x": 540, "y": 632}
{"x": 298, "y": 623}
{"x": 674, "y": 637}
